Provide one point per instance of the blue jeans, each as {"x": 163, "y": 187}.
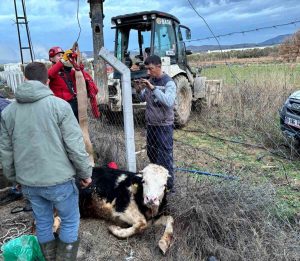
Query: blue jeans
{"x": 160, "y": 148}
{"x": 62, "y": 197}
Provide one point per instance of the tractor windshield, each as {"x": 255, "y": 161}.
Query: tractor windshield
{"x": 133, "y": 44}
{"x": 164, "y": 38}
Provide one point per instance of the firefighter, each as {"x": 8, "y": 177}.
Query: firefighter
{"x": 62, "y": 77}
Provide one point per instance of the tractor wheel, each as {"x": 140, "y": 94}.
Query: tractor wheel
{"x": 182, "y": 109}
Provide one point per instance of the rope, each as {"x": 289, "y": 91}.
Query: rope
{"x": 206, "y": 173}
{"x": 15, "y": 228}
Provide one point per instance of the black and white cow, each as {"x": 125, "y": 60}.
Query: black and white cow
{"x": 130, "y": 198}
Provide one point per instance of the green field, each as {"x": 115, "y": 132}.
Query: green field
{"x": 257, "y": 73}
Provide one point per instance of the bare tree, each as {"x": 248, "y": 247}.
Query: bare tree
{"x": 290, "y": 48}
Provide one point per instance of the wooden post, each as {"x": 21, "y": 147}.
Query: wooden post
{"x": 100, "y": 75}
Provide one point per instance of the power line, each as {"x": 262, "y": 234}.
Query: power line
{"x": 232, "y": 73}
{"x": 243, "y": 32}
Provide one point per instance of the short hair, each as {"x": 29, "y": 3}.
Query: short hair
{"x": 153, "y": 59}
{"x": 36, "y": 71}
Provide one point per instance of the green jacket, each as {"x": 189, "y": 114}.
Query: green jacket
{"x": 41, "y": 143}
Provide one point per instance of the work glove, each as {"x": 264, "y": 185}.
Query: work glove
{"x": 65, "y": 58}
{"x": 67, "y": 54}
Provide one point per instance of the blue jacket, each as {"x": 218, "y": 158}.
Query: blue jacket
{"x": 3, "y": 103}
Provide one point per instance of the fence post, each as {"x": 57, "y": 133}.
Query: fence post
{"x": 127, "y": 106}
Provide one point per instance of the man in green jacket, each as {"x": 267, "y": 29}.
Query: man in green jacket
{"x": 42, "y": 149}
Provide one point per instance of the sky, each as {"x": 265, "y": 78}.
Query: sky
{"x": 54, "y": 22}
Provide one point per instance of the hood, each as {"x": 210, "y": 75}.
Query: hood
{"x": 31, "y": 91}
{"x": 295, "y": 95}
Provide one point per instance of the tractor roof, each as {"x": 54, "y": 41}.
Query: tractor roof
{"x": 137, "y": 17}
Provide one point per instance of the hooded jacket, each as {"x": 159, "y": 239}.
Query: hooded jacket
{"x": 40, "y": 141}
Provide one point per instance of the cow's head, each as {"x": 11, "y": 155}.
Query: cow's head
{"x": 154, "y": 185}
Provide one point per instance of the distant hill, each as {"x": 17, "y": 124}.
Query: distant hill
{"x": 276, "y": 40}
{"x": 273, "y": 41}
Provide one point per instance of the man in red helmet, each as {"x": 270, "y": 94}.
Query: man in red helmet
{"x": 62, "y": 78}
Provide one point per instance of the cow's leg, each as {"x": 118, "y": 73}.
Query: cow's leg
{"x": 131, "y": 216}
{"x": 165, "y": 241}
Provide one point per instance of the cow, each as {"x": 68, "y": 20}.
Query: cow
{"x": 134, "y": 199}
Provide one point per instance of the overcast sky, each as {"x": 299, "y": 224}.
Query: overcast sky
{"x": 54, "y": 22}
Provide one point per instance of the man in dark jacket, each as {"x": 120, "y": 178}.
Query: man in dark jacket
{"x": 160, "y": 93}
{"x": 42, "y": 149}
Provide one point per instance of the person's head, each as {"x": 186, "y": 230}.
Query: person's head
{"x": 55, "y": 53}
{"x": 153, "y": 65}
{"x": 36, "y": 71}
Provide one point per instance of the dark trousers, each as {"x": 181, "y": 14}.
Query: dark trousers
{"x": 160, "y": 148}
{"x": 74, "y": 106}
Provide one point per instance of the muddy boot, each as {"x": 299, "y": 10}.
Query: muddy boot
{"x": 67, "y": 251}
{"x": 49, "y": 250}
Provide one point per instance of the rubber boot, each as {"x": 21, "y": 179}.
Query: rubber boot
{"x": 66, "y": 251}
{"x": 49, "y": 250}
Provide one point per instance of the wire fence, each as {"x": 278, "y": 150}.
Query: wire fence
{"x": 237, "y": 134}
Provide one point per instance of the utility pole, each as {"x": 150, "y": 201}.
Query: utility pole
{"x": 22, "y": 20}
{"x": 100, "y": 75}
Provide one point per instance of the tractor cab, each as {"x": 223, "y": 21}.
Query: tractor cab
{"x": 139, "y": 35}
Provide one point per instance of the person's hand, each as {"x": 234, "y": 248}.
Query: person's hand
{"x": 65, "y": 58}
{"x": 67, "y": 54}
{"x": 147, "y": 84}
{"x": 138, "y": 85}
{"x": 84, "y": 183}
{"x": 18, "y": 187}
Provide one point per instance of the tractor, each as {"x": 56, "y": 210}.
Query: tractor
{"x": 146, "y": 33}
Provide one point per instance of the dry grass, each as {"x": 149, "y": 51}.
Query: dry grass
{"x": 231, "y": 221}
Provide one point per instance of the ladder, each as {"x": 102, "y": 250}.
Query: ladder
{"x": 24, "y": 41}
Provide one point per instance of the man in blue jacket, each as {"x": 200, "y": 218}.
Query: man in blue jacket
{"x": 160, "y": 93}
{"x": 42, "y": 149}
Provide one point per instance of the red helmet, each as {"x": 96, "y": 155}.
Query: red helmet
{"x": 54, "y": 51}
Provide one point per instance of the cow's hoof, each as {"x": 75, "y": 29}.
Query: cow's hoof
{"x": 114, "y": 229}
{"x": 164, "y": 245}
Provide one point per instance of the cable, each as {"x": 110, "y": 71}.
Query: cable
{"x": 232, "y": 73}
{"x": 78, "y": 21}
{"x": 243, "y": 32}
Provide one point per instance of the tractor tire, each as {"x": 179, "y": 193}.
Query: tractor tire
{"x": 183, "y": 105}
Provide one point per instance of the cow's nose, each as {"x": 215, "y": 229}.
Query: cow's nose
{"x": 151, "y": 200}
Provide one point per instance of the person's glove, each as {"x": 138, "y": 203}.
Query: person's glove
{"x": 67, "y": 54}
{"x": 65, "y": 58}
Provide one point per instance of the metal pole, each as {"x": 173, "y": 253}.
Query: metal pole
{"x": 127, "y": 106}
{"x": 100, "y": 75}
{"x": 27, "y": 31}
{"x": 20, "y": 44}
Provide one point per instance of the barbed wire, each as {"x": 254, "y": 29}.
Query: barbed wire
{"x": 243, "y": 32}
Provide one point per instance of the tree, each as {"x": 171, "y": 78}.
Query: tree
{"x": 290, "y": 48}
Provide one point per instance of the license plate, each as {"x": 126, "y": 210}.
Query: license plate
{"x": 292, "y": 122}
